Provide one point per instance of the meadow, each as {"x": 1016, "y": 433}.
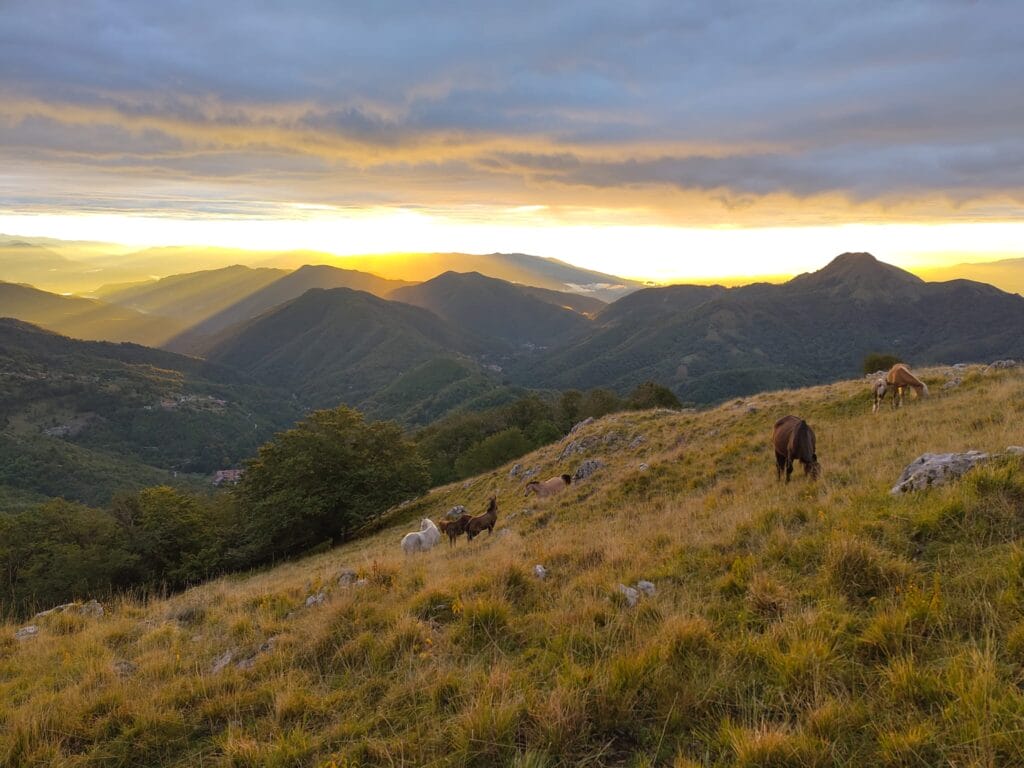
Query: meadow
{"x": 800, "y": 624}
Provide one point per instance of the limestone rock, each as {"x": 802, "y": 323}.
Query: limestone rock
{"x": 222, "y": 661}
{"x": 1001, "y": 364}
{"x": 631, "y": 595}
{"x": 314, "y": 600}
{"x": 124, "y": 668}
{"x": 26, "y": 632}
{"x": 930, "y": 469}
{"x": 646, "y": 587}
{"x": 516, "y": 469}
{"x": 581, "y": 424}
{"x": 455, "y": 512}
{"x": 92, "y": 609}
{"x": 347, "y": 577}
{"x": 586, "y": 469}
{"x": 540, "y": 572}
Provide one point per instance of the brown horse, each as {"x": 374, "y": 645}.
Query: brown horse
{"x": 454, "y": 528}
{"x": 487, "y": 520}
{"x": 898, "y": 379}
{"x": 793, "y": 439}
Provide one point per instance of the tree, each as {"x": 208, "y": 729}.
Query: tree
{"x": 652, "y": 395}
{"x": 60, "y": 551}
{"x": 321, "y": 480}
{"x": 879, "y": 361}
{"x": 598, "y": 403}
{"x": 493, "y": 451}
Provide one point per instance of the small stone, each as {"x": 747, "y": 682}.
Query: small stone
{"x": 268, "y": 645}
{"x": 124, "y": 668}
{"x": 246, "y": 663}
{"x": 92, "y": 609}
{"x": 637, "y": 441}
{"x": 516, "y": 469}
{"x": 362, "y": 583}
{"x": 581, "y": 424}
{"x": 314, "y": 600}
{"x": 646, "y": 587}
{"x": 586, "y": 469}
{"x": 221, "y": 662}
{"x": 631, "y": 595}
{"x": 1015, "y": 450}
{"x": 540, "y": 572}
{"x": 26, "y": 632}
{"x": 455, "y": 512}
{"x": 346, "y": 578}
{"x": 530, "y": 472}
{"x": 644, "y": 467}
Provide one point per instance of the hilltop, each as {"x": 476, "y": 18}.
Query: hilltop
{"x": 789, "y": 625}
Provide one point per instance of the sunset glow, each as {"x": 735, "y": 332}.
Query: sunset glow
{"x": 672, "y": 144}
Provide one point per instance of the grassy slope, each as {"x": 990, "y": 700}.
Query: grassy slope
{"x": 793, "y": 624}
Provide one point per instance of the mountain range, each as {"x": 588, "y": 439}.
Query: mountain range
{"x": 414, "y": 352}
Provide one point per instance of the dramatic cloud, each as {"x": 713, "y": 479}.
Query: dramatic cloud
{"x": 692, "y": 113}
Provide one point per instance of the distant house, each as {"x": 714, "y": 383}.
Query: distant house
{"x": 227, "y": 476}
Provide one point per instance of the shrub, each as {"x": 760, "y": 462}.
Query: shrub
{"x": 879, "y": 361}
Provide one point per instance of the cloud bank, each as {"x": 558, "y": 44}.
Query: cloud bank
{"x": 688, "y": 113}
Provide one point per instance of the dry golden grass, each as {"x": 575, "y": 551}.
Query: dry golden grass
{"x": 793, "y": 625}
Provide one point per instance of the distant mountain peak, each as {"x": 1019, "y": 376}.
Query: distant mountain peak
{"x": 859, "y": 275}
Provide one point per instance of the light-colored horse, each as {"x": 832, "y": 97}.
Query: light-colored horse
{"x": 898, "y": 379}
{"x": 549, "y": 487}
{"x": 420, "y": 541}
{"x": 878, "y": 389}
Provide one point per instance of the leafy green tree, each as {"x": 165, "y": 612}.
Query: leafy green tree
{"x": 650, "y": 394}
{"x": 569, "y": 406}
{"x": 493, "y": 451}
{"x": 321, "y": 480}
{"x": 57, "y": 552}
{"x": 599, "y": 402}
{"x": 172, "y": 533}
{"x": 879, "y": 361}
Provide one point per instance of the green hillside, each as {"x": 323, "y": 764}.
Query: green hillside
{"x": 806, "y": 624}
{"x": 84, "y": 318}
{"x": 87, "y": 419}
{"x": 192, "y": 297}
{"x": 344, "y": 346}
{"x": 286, "y": 287}
{"x": 497, "y": 309}
{"x": 710, "y": 343}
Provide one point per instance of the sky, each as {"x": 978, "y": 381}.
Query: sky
{"x": 662, "y": 140}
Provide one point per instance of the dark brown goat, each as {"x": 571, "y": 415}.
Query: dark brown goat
{"x": 793, "y": 440}
{"x": 478, "y": 523}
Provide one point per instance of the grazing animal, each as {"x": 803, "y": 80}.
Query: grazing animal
{"x": 878, "y": 390}
{"x": 899, "y": 378}
{"x": 793, "y": 440}
{"x": 548, "y": 487}
{"x": 487, "y": 520}
{"x": 423, "y": 539}
{"x": 454, "y": 528}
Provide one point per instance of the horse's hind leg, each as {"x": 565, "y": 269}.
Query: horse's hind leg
{"x": 789, "y": 468}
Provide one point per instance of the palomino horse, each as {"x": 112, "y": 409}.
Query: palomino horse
{"x": 898, "y": 379}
